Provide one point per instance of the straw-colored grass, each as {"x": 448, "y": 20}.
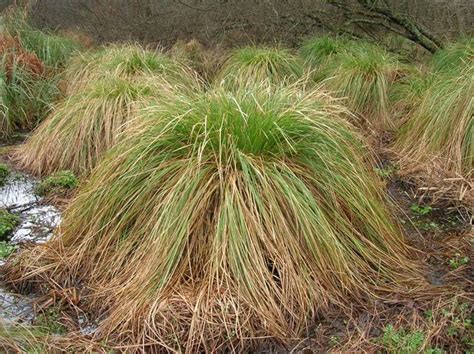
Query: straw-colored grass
{"x": 442, "y": 127}
{"x": 15, "y": 338}
{"x": 256, "y": 65}
{"x": 223, "y": 219}
{"x": 364, "y": 76}
{"x": 125, "y": 61}
{"x": 84, "y": 126}
{"x": 407, "y": 94}
{"x": 205, "y": 61}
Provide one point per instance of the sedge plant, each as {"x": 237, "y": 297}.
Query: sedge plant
{"x": 364, "y": 77}
{"x": 82, "y": 127}
{"x": 226, "y": 217}
{"x": 408, "y": 92}
{"x": 454, "y": 56}
{"x": 318, "y": 50}
{"x": 256, "y": 65}
{"x": 442, "y": 127}
{"x": 25, "y": 97}
{"x": 124, "y": 61}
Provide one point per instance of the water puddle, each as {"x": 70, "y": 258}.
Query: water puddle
{"x": 18, "y": 191}
{"x": 37, "y": 224}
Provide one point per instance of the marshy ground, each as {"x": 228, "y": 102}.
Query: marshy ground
{"x": 274, "y": 200}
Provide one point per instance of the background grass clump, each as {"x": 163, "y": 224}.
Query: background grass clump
{"x": 4, "y": 173}
{"x": 53, "y": 50}
{"x": 256, "y": 65}
{"x": 84, "y": 126}
{"x": 318, "y": 50}
{"x": 128, "y": 62}
{"x": 26, "y": 93}
{"x": 242, "y": 214}
{"x": 454, "y": 56}
{"x": 364, "y": 77}
{"x": 30, "y": 62}
{"x": 442, "y": 126}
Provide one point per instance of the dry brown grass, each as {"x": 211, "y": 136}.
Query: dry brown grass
{"x": 13, "y": 54}
{"x": 224, "y": 221}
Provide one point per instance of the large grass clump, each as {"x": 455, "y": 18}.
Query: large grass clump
{"x": 82, "y": 127}
{"x": 442, "y": 127}
{"x": 224, "y": 218}
{"x": 364, "y": 76}
{"x": 103, "y": 93}
{"x": 124, "y": 61}
{"x": 256, "y": 65}
{"x": 318, "y": 50}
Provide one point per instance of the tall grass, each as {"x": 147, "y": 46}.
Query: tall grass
{"x": 52, "y": 49}
{"x": 364, "y": 76}
{"x": 84, "y": 126}
{"x": 15, "y": 338}
{"x": 125, "y": 61}
{"x": 227, "y": 217}
{"x": 26, "y": 96}
{"x": 317, "y": 51}
{"x": 455, "y": 55}
{"x": 442, "y": 126}
{"x": 205, "y": 61}
{"x": 408, "y": 92}
{"x": 257, "y": 65}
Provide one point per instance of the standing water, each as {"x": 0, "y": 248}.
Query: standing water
{"x": 37, "y": 221}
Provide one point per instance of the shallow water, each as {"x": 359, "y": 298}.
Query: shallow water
{"x": 37, "y": 223}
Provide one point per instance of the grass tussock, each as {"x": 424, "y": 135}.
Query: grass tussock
{"x": 317, "y": 51}
{"x": 125, "y": 61}
{"x": 15, "y": 338}
{"x": 364, "y": 76}
{"x": 442, "y": 127}
{"x": 254, "y": 66}
{"x": 407, "y": 93}
{"x": 224, "y": 218}
{"x": 82, "y": 127}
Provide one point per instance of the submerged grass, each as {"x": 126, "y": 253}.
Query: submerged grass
{"x": 256, "y": 65}
{"x": 225, "y": 218}
{"x": 364, "y": 76}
